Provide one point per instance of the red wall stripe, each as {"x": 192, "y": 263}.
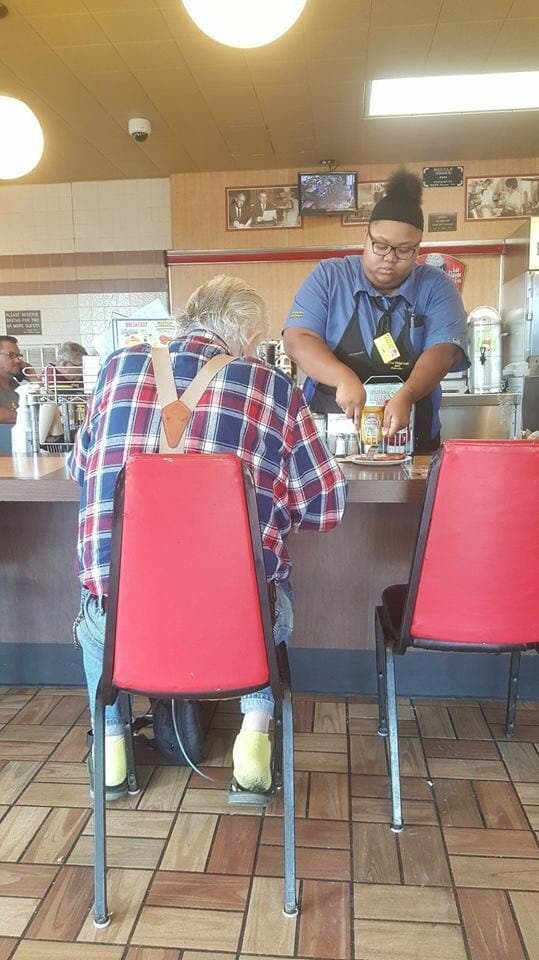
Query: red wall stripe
{"x": 275, "y": 256}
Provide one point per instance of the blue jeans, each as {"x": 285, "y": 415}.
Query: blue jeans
{"x": 89, "y": 631}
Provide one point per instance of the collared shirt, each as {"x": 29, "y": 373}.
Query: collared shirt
{"x": 249, "y": 409}
{"x": 325, "y": 303}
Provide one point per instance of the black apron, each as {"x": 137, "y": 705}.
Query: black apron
{"x": 352, "y": 352}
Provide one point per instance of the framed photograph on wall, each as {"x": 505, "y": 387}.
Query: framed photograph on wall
{"x": 488, "y": 198}
{"x": 367, "y": 195}
{"x": 262, "y": 208}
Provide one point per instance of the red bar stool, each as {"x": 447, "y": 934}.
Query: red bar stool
{"x": 189, "y": 614}
{"x": 474, "y": 579}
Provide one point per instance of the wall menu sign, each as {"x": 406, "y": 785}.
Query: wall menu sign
{"x": 443, "y": 176}
{"x": 23, "y": 323}
{"x": 442, "y": 222}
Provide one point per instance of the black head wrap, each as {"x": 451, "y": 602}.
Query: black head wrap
{"x": 402, "y": 200}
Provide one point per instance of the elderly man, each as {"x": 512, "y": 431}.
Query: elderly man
{"x": 250, "y": 409}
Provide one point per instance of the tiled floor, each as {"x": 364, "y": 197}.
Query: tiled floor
{"x": 188, "y": 880}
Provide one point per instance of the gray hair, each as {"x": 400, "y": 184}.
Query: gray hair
{"x": 228, "y": 307}
{"x": 70, "y": 354}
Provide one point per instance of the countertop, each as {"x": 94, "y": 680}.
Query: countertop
{"x": 45, "y": 479}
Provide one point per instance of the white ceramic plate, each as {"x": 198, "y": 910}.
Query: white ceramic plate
{"x": 378, "y": 461}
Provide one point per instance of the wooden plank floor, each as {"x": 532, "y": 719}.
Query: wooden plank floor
{"x": 190, "y": 881}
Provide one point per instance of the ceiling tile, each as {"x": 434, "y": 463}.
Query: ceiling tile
{"x": 387, "y": 13}
{"x": 201, "y": 51}
{"x": 398, "y": 52}
{"x": 524, "y": 8}
{"x": 15, "y": 31}
{"x": 147, "y": 55}
{"x": 337, "y": 70}
{"x": 226, "y": 74}
{"x": 516, "y": 46}
{"x": 178, "y": 20}
{"x": 277, "y": 71}
{"x": 321, "y": 15}
{"x": 121, "y": 6}
{"x": 462, "y": 47}
{"x": 323, "y": 44}
{"x": 140, "y": 24}
{"x": 288, "y": 103}
{"x": 47, "y": 7}
{"x": 95, "y": 58}
{"x": 234, "y": 105}
{"x": 454, "y": 10}
{"x": 74, "y": 29}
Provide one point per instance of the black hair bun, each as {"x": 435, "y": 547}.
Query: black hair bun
{"x": 404, "y": 185}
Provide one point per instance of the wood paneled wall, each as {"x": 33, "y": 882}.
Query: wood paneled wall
{"x": 199, "y": 219}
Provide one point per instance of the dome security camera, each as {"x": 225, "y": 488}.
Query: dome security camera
{"x": 139, "y": 129}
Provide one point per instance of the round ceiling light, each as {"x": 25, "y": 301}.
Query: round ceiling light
{"x": 244, "y": 23}
{"x": 22, "y": 139}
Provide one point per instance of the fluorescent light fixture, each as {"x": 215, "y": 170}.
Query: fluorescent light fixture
{"x": 22, "y": 139}
{"x": 244, "y": 23}
{"x": 464, "y": 93}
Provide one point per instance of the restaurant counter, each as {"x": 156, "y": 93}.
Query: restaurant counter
{"x": 337, "y": 580}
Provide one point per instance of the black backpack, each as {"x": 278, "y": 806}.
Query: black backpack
{"x": 177, "y": 730}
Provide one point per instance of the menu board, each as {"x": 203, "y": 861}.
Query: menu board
{"x": 130, "y": 332}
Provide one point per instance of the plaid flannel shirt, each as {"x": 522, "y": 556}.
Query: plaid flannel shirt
{"x": 249, "y": 409}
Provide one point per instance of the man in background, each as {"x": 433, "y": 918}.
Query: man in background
{"x": 10, "y": 366}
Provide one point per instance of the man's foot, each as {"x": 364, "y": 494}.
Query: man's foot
{"x": 252, "y": 761}
{"x": 115, "y": 767}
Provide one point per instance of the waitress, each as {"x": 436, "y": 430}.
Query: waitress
{"x": 381, "y": 315}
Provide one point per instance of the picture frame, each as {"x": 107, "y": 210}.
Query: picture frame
{"x": 271, "y": 207}
{"x": 368, "y": 194}
{"x": 505, "y": 197}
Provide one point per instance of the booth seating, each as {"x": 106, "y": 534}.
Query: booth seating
{"x": 474, "y": 578}
{"x": 189, "y": 613}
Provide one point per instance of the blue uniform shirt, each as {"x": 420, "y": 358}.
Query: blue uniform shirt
{"x": 325, "y": 303}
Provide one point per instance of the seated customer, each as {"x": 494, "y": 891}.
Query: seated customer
{"x": 67, "y": 369}
{"x": 249, "y": 409}
{"x": 10, "y": 366}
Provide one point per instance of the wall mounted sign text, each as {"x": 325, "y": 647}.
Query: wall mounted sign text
{"x": 442, "y": 222}
{"x": 23, "y": 323}
{"x": 443, "y": 176}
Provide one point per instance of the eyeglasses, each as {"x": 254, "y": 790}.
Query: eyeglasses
{"x": 381, "y": 248}
{"x": 11, "y": 355}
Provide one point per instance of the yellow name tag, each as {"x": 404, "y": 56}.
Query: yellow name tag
{"x": 387, "y": 348}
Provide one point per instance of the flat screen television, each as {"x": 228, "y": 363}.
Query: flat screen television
{"x": 327, "y": 194}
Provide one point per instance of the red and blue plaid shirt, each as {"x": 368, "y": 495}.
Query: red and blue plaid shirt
{"x": 249, "y": 409}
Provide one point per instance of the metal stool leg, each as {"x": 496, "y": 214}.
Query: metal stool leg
{"x": 101, "y": 915}
{"x": 124, "y": 701}
{"x": 394, "y": 762}
{"x": 290, "y": 901}
{"x": 278, "y": 745}
{"x": 512, "y": 694}
{"x": 381, "y": 677}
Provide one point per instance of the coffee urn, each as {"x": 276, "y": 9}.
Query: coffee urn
{"x": 485, "y": 346}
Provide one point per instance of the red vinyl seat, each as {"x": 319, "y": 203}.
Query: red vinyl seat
{"x": 189, "y": 612}
{"x": 475, "y": 572}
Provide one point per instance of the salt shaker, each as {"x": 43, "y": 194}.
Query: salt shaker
{"x": 340, "y": 445}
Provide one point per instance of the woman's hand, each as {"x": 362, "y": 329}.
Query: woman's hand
{"x": 350, "y": 396}
{"x": 397, "y": 414}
